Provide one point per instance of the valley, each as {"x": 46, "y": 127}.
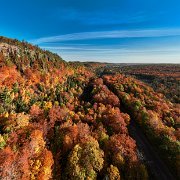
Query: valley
{"x": 72, "y": 120}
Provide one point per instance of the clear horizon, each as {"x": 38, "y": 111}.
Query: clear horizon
{"x": 113, "y": 31}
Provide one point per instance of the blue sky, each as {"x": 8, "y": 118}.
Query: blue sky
{"x": 133, "y": 31}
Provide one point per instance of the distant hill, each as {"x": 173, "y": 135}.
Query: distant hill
{"x": 23, "y": 54}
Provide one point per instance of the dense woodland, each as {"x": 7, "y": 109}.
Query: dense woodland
{"x": 62, "y": 120}
{"x": 164, "y": 78}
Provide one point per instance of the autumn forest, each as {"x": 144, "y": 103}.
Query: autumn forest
{"x": 86, "y": 121}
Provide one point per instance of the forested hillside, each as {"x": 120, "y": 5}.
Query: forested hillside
{"x": 61, "y": 120}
